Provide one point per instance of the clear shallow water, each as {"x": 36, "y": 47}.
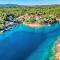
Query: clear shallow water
{"x": 26, "y": 43}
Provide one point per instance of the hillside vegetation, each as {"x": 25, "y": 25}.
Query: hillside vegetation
{"x": 45, "y": 10}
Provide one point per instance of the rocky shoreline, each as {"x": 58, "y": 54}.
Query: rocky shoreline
{"x": 30, "y": 20}
{"x": 57, "y": 50}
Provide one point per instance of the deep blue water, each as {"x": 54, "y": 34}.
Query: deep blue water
{"x": 27, "y": 43}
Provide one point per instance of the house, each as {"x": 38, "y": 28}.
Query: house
{"x": 10, "y": 17}
{"x": 26, "y": 17}
{"x": 9, "y": 21}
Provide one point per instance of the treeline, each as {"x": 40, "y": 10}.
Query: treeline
{"x": 44, "y": 10}
{"x": 21, "y": 10}
{"x": 47, "y": 9}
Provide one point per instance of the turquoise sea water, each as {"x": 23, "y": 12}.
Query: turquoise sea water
{"x": 27, "y": 43}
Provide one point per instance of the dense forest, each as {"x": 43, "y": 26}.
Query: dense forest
{"x": 21, "y": 10}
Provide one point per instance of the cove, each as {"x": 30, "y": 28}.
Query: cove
{"x": 27, "y": 43}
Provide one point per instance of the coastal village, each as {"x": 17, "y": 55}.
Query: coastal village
{"x": 38, "y": 19}
{"x": 34, "y": 17}
{"x": 32, "y": 20}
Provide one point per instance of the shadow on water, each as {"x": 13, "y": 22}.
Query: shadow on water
{"x": 20, "y": 43}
